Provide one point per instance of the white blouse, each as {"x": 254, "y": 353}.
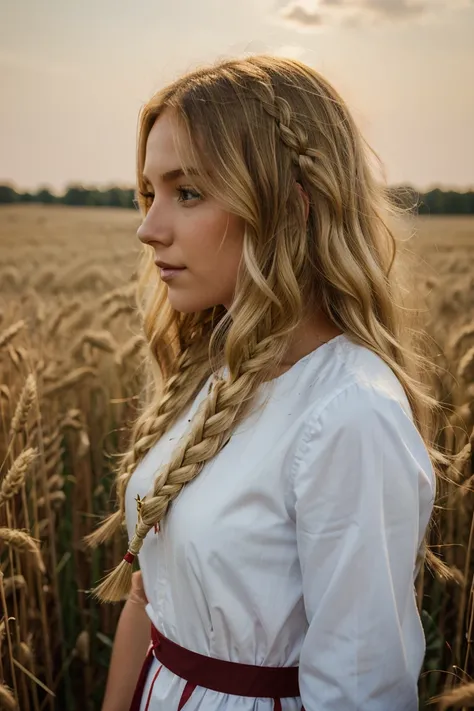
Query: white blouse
{"x": 297, "y": 544}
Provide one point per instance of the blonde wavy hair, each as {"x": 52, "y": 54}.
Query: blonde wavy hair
{"x": 256, "y": 128}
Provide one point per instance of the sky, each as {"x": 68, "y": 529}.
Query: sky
{"x": 74, "y": 76}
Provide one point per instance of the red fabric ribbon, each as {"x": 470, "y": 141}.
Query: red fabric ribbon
{"x": 218, "y": 674}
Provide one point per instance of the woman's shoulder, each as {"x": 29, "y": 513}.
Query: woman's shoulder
{"x": 360, "y": 410}
{"x": 347, "y": 380}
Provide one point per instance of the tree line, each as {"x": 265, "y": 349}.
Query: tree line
{"x": 433, "y": 202}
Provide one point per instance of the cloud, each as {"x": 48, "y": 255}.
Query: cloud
{"x": 295, "y": 13}
{"x": 311, "y": 15}
{"x": 393, "y": 9}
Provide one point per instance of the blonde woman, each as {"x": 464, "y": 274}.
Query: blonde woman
{"x": 281, "y": 477}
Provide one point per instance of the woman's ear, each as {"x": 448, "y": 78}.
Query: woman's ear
{"x": 305, "y": 197}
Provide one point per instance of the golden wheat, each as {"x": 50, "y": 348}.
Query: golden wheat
{"x": 69, "y": 308}
{"x": 466, "y": 366}
{"x": 27, "y": 398}
{"x": 9, "y": 333}
{"x": 15, "y": 582}
{"x": 15, "y": 476}
{"x": 55, "y": 498}
{"x": 67, "y": 317}
{"x": 103, "y": 340}
{"x": 22, "y": 541}
{"x": 7, "y": 700}
{"x": 77, "y": 376}
{"x": 83, "y": 646}
{"x": 131, "y": 348}
{"x": 460, "y": 697}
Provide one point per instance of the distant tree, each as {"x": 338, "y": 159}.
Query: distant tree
{"x": 75, "y": 195}
{"x": 8, "y": 194}
{"x": 96, "y": 198}
{"x": 44, "y": 196}
{"x": 27, "y": 197}
{"x": 433, "y": 202}
{"x": 118, "y": 197}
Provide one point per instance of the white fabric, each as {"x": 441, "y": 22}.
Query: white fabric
{"x": 297, "y": 543}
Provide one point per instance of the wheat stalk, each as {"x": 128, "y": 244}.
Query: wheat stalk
{"x": 55, "y": 497}
{"x": 466, "y": 366}
{"x": 5, "y": 392}
{"x": 67, "y": 310}
{"x": 25, "y": 655}
{"x": 131, "y": 348}
{"x": 119, "y": 294}
{"x": 7, "y": 700}
{"x": 9, "y": 333}
{"x": 461, "y": 338}
{"x": 81, "y": 650}
{"x": 12, "y": 275}
{"x": 14, "y": 582}
{"x": 22, "y": 541}
{"x": 27, "y": 397}
{"x": 103, "y": 340}
{"x": 15, "y": 477}
{"x": 55, "y": 482}
{"x": 461, "y": 696}
{"x": 117, "y": 309}
{"x": 71, "y": 379}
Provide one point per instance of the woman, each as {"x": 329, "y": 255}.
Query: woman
{"x": 280, "y": 480}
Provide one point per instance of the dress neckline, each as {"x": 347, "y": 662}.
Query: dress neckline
{"x": 341, "y": 338}
{"x": 322, "y": 348}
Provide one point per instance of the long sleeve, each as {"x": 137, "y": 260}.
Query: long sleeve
{"x": 363, "y": 492}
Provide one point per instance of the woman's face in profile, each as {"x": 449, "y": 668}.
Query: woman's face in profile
{"x": 188, "y": 230}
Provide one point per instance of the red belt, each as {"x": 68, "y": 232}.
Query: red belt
{"x": 216, "y": 674}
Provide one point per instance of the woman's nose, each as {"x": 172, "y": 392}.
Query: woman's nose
{"x": 150, "y": 231}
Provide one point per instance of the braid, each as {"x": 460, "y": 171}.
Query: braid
{"x": 149, "y": 428}
{"x": 293, "y": 135}
{"x": 226, "y": 404}
{"x": 337, "y": 199}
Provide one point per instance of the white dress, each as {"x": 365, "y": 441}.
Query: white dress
{"x": 297, "y": 543}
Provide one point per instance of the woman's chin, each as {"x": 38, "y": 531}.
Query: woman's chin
{"x": 188, "y": 305}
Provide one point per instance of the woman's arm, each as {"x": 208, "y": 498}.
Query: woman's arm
{"x": 131, "y": 643}
{"x": 363, "y": 489}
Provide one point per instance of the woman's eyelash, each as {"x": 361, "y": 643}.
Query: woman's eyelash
{"x": 194, "y": 194}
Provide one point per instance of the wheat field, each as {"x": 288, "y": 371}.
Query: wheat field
{"x": 70, "y": 355}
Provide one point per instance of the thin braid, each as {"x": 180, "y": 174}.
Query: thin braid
{"x": 291, "y": 133}
{"x": 149, "y": 428}
{"x": 295, "y": 138}
{"x": 308, "y": 160}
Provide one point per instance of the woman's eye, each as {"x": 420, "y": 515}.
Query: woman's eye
{"x": 185, "y": 195}
{"x": 193, "y": 195}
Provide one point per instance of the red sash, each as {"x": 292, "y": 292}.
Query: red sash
{"x": 216, "y": 674}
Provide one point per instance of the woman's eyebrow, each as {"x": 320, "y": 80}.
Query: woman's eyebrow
{"x": 171, "y": 175}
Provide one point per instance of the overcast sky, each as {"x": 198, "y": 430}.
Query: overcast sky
{"x": 74, "y": 74}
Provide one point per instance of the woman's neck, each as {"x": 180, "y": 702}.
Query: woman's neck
{"x": 315, "y": 330}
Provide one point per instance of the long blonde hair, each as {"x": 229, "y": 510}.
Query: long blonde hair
{"x": 256, "y": 128}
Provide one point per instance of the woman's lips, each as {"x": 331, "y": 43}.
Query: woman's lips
{"x": 170, "y": 273}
